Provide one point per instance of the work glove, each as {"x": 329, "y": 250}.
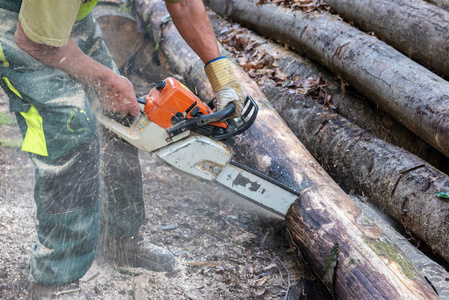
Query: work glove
{"x": 225, "y": 85}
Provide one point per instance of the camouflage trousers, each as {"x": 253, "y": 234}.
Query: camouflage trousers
{"x": 77, "y": 163}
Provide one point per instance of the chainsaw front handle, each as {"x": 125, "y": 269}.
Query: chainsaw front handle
{"x": 241, "y": 124}
{"x": 235, "y": 126}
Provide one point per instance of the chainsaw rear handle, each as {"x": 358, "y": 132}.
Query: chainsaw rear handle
{"x": 141, "y": 100}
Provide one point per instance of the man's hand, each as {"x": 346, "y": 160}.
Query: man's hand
{"x": 225, "y": 85}
{"x": 117, "y": 94}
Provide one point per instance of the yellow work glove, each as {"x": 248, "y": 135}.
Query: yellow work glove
{"x": 225, "y": 85}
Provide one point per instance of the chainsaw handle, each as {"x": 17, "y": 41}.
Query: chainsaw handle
{"x": 200, "y": 120}
{"x": 219, "y": 115}
{"x": 241, "y": 124}
{"x": 235, "y": 126}
{"x": 141, "y": 100}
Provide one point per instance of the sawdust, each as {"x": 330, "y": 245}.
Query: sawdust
{"x": 225, "y": 248}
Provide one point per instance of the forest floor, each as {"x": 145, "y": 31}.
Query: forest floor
{"x": 225, "y": 247}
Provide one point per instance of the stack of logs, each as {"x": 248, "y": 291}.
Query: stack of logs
{"x": 393, "y": 152}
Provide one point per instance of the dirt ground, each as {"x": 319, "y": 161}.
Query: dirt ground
{"x": 225, "y": 248}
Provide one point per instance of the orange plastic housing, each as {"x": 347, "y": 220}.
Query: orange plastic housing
{"x": 162, "y": 104}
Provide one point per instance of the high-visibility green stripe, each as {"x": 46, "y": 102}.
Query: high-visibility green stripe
{"x": 85, "y": 9}
{"x": 69, "y": 120}
{"x": 3, "y": 58}
{"x": 13, "y": 89}
{"x": 34, "y": 141}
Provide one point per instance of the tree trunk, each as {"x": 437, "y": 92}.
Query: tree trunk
{"x": 434, "y": 273}
{"x": 403, "y": 185}
{"x": 348, "y": 103}
{"x": 352, "y": 256}
{"x": 414, "y": 27}
{"x": 376, "y": 124}
{"x": 407, "y": 91}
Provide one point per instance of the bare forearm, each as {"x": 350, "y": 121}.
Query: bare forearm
{"x": 193, "y": 24}
{"x": 115, "y": 92}
{"x": 68, "y": 58}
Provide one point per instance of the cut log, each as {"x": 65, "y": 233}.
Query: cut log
{"x": 400, "y": 183}
{"x": 403, "y": 185}
{"x": 348, "y": 102}
{"x": 353, "y": 257}
{"x": 414, "y": 27}
{"x": 434, "y": 273}
{"x": 367, "y": 183}
{"x": 112, "y": 20}
{"x": 404, "y": 89}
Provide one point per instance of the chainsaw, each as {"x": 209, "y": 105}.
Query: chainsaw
{"x": 179, "y": 129}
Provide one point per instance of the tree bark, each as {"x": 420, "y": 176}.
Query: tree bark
{"x": 414, "y": 27}
{"x": 444, "y": 4}
{"x": 352, "y": 256}
{"x": 406, "y": 90}
{"x": 375, "y": 123}
{"x": 401, "y": 184}
{"x": 348, "y": 102}
{"x": 434, "y": 273}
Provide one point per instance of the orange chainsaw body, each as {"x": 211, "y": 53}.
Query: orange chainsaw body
{"x": 171, "y": 100}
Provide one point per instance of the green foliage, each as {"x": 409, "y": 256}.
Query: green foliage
{"x": 443, "y": 194}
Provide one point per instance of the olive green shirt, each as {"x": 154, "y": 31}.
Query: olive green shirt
{"x": 50, "y": 22}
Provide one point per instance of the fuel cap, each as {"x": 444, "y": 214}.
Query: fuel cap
{"x": 160, "y": 85}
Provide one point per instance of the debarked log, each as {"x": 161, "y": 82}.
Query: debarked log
{"x": 345, "y": 101}
{"x": 414, "y": 27}
{"x": 413, "y": 95}
{"x": 351, "y": 256}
